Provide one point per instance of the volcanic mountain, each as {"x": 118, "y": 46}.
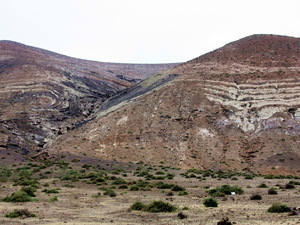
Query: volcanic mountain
{"x": 44, "y": 94}
{"x": 235, "y": 108}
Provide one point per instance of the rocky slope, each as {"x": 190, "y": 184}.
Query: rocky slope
{"x": 236, "y": 108}
{"x": 44, "y": 94}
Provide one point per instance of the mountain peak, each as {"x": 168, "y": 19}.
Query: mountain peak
{"x": 259, "y": 50}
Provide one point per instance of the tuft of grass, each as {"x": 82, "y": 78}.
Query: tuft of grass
{"x": 53, "y": 199}
{"x": 96, "y": 195}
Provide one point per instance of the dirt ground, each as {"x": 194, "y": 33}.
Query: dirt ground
{"x": 76, "y": 205}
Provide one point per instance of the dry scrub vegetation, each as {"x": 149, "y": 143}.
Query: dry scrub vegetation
{"x": 69, "y": 192}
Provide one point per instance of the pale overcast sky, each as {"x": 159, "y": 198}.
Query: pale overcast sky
{"x": 140, "y": 31}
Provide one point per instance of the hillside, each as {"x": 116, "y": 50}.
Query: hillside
{"x": 236, "y": 108}
{"x": 44, "y": 94}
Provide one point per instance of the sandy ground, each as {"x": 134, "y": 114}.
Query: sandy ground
{"x": 77, "y": 206}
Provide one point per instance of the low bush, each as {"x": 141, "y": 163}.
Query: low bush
{"x": 170, "y": 193}
{"x": 225, "y": 190}
{"x": 161, "y": 185}
{"x": 279, "y": 208}
{"x": 154, "y": 207}
{"x": 177, "y": 188}
{"x": 249, "y": 177}
{"x": 18, "y": 196}
{"x": 181, "y": 215}
{"x": 272, "y": 191}
{"x": 183, "y": 193}
{"x": 50, "y": 191}
{"x": 134, "y": 188}
{"x": 289, "y": 186}
{"x": 96, "y": 195}
{"x": 159, "y": 206}
{"x": 119, "y": 181}
{"x": 255, "y": 197}
{"x": 20, "y": 213}
{"x": 5, "y": 173}
{"x": 123, "y": 186}
{"x": 210, "y": 202}
{"x": 27, "y": 182}
{"x": 263, "y": 185}
{"x": 29, "y": 190}
{"x": 138, "y": 206}
{"x": 110, "y": 193}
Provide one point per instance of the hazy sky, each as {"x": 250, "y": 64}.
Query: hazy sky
{"x": 143, "y": 31}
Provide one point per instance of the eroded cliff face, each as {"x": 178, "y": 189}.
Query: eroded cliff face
{"x": 44, "y": 94}
{"x": 236, "y": 108}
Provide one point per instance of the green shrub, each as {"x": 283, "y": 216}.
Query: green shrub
{"x": 289, "y": 186}
{"x": 181, "y": 215}
{"x": 53, "y": 199}
{"x": 110, "y": 193}
{"x": 50, "y": 191}
{"x": 161, "y": 185}
{"x": 134, "y": 188}
{"x": 123, "y": 186}
{"x": 272, "y": 191}
{"x": 263, "y": 185}
{"x": 119, "y": 181}
{"x": 27, "y": 182}
{"x": 160, "y": 173}
{"x": 279, "y": 208}
{"x": 20, "y": 213}
{"x": 294, "y": 182}
{"x": 225, "y": 190}
{"x": 255, "y": 197}
{"x": 29, "y": 190}
{"x": 177, "y": 188}
{"x": 249, "y": 177}
{"x": 159, "y": 206}
{"x": 170, "y": 193}
{"x": 210, "y": 202}
{"x": 96, "y": 195}
{"x": 138, "y": 206}
{"x": 183, "y": 193}
{"x": 5, "y": 173}
{"x": 18, "y": 196}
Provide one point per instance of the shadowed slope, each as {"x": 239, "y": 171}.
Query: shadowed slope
{"x": 44, "y": 94}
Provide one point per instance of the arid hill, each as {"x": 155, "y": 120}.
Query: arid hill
{"x": 236, "y": 108}
{"x": 44, "y": 94}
